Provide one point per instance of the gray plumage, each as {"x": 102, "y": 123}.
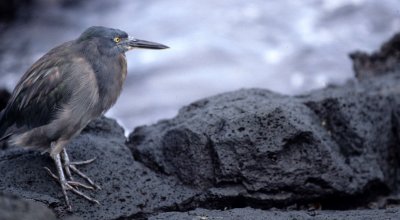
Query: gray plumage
{"x": 68, "y": 87}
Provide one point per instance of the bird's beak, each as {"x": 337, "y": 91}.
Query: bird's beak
{"x": 132, "y": 43}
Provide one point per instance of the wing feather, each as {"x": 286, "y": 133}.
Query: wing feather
{"x": 38, "y": 96}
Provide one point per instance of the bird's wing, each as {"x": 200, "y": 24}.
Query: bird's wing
{"x": 37, "y": 97}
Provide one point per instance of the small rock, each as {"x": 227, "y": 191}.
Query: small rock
{"x": 384, "y": 61}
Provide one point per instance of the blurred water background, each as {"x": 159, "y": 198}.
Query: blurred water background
{"x": 287, "y": 46}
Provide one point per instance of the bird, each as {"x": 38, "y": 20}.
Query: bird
{"x": 71, "y": 85}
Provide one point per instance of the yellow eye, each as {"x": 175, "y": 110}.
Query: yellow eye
{"x": 117, "y": 39}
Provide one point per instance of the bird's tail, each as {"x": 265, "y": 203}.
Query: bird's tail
{"x": 5, "y": 138}
{"x": 3, "y": 128}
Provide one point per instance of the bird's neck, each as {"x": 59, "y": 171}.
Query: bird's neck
{"x": 110, "y": 71}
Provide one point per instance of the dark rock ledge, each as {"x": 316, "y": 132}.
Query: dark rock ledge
{"x": 248, "y": 154}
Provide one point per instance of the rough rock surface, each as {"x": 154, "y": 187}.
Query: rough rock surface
{"x": 337, "y": 147}
{"x": 382, "y": 62}
{"x": 256, "y": 214}
{"x": 128, "y": 187}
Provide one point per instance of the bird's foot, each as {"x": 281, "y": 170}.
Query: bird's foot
{"x": 70, "y": 184}
{"x": 71, "y": 166}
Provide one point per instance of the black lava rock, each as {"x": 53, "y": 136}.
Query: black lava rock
{"x": 129, "y": 189}
{"x": 337, "y": 146}
{"x": 384, "y": 61}
{"x": 256, "y": 214}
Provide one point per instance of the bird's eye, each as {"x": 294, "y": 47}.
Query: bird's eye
{"x": 117, "y": 39}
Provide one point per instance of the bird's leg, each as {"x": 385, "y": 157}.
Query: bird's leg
{"x": 62, "y": 180}
{"x": 66, "y": 161}
{"x": 68, "y": 166}
{"x": 66, "y": 185}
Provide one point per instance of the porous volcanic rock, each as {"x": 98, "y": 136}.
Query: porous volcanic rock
{"x": 336, "y": 146}
{"x": 257, "y": 214}
{"x": 384, "y": 61}
{"x": 129, "y": 189}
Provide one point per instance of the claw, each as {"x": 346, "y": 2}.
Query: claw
{"x": 51, "y": 173}
{"x": 70, "y": 182}
{"x": 68, "y": 166}
{"x": 76, "y": 183}
{"x": 83, "y": 162}
{"x": 74, "y": 169}
{"x": 84, "y": 196}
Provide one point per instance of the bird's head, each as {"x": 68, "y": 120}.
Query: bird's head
{"x": 115, "y": 41}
